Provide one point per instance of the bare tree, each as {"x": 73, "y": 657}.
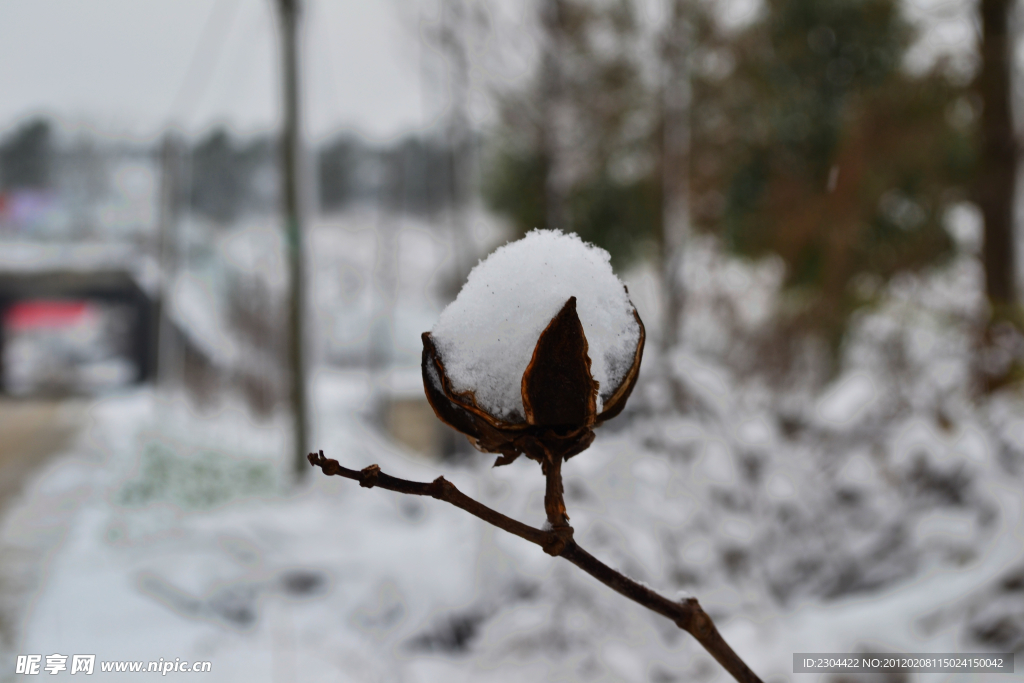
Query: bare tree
{"x": 996, "y": 179}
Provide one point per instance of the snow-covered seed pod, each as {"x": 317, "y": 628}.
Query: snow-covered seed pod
{"x": 541, "y": 345}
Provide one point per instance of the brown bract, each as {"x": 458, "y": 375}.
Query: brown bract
{"x": 559, "y": 396}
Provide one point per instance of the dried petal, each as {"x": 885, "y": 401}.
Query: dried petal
{"x": 488, "y": 335}
{"x": 433, "y": 384}
{"x": 557, "y": 386}
{"x": 617, "y": 401}
{"x": 559, "y": 394}
{"x": 459, "y": 410}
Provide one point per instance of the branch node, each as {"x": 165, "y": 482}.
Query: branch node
{"x": 694, "y": 620}
{"x": 329, "y": 467}
{"x": 442, "y": 489}
{"x": 558, "y": 540}
{"x": 368, "y": 476}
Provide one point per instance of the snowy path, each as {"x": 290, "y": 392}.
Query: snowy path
{"x": 32, "y": 432}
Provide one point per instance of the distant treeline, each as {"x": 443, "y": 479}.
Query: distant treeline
{"x": 414, "y": 174}
{"x": 227, "y": 176}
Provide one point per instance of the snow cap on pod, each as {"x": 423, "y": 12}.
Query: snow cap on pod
{"x": 487, "y": 336}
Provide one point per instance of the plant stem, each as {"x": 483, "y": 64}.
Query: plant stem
{"x": 554, "y": 502}
{"x": 687, "y": 615}
{"x": 558, "y": 541}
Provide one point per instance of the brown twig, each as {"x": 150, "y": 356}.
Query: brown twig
{"x": 558, "y": 541}
{"x": 554, "y": 503}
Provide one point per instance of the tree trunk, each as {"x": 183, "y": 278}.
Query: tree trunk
{"x": 996, "y": 180}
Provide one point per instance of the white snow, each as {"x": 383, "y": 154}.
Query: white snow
{"x": 828, "y": 519}
{"x": 196, "y": 307}
{"x": 847, "y": 400}
{"x": 486, "y": 337}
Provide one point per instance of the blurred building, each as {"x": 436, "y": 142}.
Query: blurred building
{"x": 78, "y": 281}
{"x": 70, "y": 330}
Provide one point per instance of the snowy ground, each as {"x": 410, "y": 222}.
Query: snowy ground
{"x": 339, "y": 583}
{"x": 883, "y": 512}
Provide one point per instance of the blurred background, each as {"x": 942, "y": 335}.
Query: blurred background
{"x": 225, "y": 223}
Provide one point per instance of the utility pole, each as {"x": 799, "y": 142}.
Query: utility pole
{"x": 172, "y": 160}
{"x": 452, "y": 39}
{"x": 552, "y": 19}
{"x": 291, "y": 197}
{"x": 675, "y": 158}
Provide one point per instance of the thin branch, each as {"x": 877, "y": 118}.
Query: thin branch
{"x": 442, "y": 489}
{"x": 558, "y": 541}
{"x": 554, "y": 502}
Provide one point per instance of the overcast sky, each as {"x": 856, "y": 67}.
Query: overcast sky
{"x": 137, "y": 66}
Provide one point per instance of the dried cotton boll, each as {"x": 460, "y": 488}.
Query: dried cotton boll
{"x": 486, "y": 337}
{"x": 541, "y": 346}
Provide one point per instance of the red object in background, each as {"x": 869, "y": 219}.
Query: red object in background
{"x": 3, "y": 204}
{"x": 44, "y": 313}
